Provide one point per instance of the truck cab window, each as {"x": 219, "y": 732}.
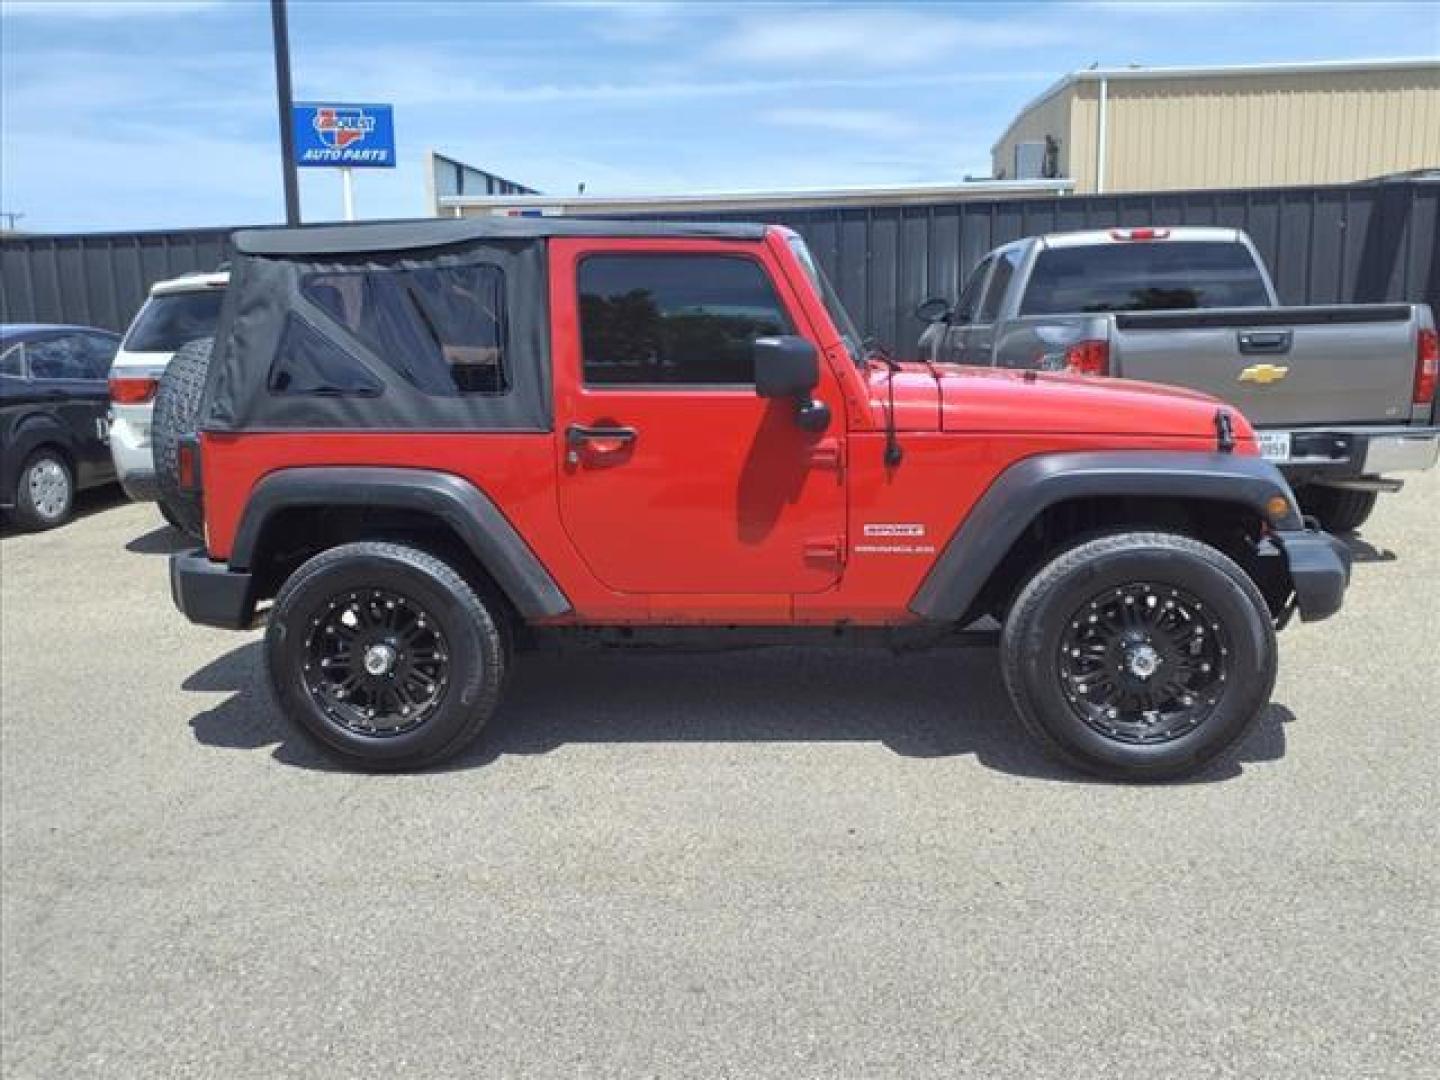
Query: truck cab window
{"x": 1005, "y": 264}
{"x": 970, "y": 295}
{"x": 1144, "y": 276}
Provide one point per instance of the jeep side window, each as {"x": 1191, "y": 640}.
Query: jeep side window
{"x": 970, "y": 294}
{"x": 440, "y": 328}
{"x": 663, "y": 320}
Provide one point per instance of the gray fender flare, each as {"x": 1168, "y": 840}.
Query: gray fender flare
{"x": 450, "y": 498}
{"x": 1029, "y": 487}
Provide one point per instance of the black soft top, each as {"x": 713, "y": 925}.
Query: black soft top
{"x": 391, "y": 236}
{"x": 286, "y": 361}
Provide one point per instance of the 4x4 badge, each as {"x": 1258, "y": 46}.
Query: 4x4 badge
{"x": 1264, "y": 374}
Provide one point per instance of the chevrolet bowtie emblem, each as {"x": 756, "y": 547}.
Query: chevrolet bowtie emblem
{"x": 1264, "y": 374}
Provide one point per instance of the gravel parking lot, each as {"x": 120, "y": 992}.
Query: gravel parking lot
{"x": 777, "y": 863}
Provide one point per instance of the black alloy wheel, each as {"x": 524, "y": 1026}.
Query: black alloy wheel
{"x": 1143, "y": 663}
{"x": 376, "y": 663}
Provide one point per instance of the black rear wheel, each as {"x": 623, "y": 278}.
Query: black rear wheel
{"x": 385, "y": 655}
{"x": 1139, "y": 656}
{"x": 1339, "y": 510}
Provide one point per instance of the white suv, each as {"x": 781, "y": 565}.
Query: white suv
{"x": 178, "y": 311}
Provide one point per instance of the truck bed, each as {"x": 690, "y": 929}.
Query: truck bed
{"x": 1283, "y": 366}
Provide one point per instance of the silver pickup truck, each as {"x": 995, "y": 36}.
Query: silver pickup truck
{"x": 1343, "y": 396}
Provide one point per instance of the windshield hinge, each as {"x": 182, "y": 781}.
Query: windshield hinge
{"x": 1224, "y": 431}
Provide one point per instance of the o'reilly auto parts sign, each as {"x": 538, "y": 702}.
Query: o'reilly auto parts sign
{"x": 344, "y": 136}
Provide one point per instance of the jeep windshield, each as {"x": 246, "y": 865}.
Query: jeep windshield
{"x": 831, "y": 299}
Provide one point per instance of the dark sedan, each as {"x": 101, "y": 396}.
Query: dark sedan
{"x": 53, "y": 401}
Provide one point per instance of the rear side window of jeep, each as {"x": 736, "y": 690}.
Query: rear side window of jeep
{"x": 442, "y": 329}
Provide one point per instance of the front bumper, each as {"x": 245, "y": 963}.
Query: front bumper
{"x": 210, "y": 593}
{"x": 1319, "y": 571}
{"x": 1350, "y": 453}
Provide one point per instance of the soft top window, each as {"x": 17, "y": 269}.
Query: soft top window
{"x": 441, "y": 328}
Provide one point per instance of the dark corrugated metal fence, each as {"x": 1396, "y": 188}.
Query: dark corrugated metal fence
{"x": 1333, "y": 244}
{"x": 1340, "y": 244}
{"x": 97, "y": 279}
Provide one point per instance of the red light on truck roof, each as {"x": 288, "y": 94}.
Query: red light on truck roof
{"x": 1139, "y": 234}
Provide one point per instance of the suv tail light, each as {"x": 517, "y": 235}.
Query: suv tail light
{"x": 1088, "y": 358}
{"x": 1427, "y": 367}
{"x": 1139, "y": 234}
{"x": 132, "y": 389}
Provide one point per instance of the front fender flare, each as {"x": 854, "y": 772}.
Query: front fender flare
{"x": 450, "y": 498}
{"x": 1029, "y": 487}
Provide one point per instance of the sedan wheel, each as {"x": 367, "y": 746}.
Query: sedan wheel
{"x": 46, "y": 494}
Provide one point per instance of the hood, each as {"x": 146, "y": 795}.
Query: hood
{"x": 998, "y": 400}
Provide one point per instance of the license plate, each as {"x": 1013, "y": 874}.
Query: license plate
{"x": 1274, "y": 445}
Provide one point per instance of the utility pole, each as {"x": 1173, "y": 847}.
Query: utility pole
{"x": 284, "y": 101}
{"x": 11, "y": 217}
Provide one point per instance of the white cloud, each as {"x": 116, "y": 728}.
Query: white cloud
{"x": 870, "y": 123}
{"x": 875, "y": 38}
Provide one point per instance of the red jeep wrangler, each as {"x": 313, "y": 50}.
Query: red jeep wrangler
{"x": 434, "y": 444}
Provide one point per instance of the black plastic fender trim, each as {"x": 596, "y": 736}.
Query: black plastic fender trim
{"x": 452, "y": 499}
{"x": 1029, "y": 487}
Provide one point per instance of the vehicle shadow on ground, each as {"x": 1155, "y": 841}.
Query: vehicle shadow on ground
{"x": 162, "y": 540}
{"x": 90, "y": 501}
{"x": 932, "y": 705}
{"x": 1362, "y": 551}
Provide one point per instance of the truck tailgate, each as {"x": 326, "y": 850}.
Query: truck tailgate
{"x": 1280, "y": 366}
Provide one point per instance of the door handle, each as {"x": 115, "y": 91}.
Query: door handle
{"x": 577, "y": 435}
{"x": 1264, "y": 341}
{"x": 598, "y": 443}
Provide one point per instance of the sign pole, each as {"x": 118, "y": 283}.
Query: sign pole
{"x": 281, "y": 40}
{"x": 347, "y": 191}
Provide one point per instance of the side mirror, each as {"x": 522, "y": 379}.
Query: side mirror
{"x": 934, "y": 310}
{"x": 789, "y": 367}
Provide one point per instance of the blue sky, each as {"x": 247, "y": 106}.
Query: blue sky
{"x": 156, "y": 114}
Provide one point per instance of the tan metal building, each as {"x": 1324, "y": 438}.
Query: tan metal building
{"x": 1153, "y": 129}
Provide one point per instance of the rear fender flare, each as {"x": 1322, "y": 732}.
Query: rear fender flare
{"x": 1026, "y": 489}
{"x": 457, "y": 502}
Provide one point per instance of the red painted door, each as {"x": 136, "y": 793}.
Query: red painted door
{"x": 674, "y": 476}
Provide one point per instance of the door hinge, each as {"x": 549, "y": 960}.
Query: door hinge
{"x": 828, "y": 454}
{"x": 825, "y": 549}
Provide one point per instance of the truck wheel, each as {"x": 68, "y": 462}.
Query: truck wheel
{"x": 45, "y": 491}
{"x": 177, "y": 409}
{"x": 1340, "y": 510}
{"x": 1139, "y": 656}
{"x": 385, "y": 656}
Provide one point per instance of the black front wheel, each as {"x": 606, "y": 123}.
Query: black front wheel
{"x": 385, "y": 655}
{"x": 1139, "y": 656}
